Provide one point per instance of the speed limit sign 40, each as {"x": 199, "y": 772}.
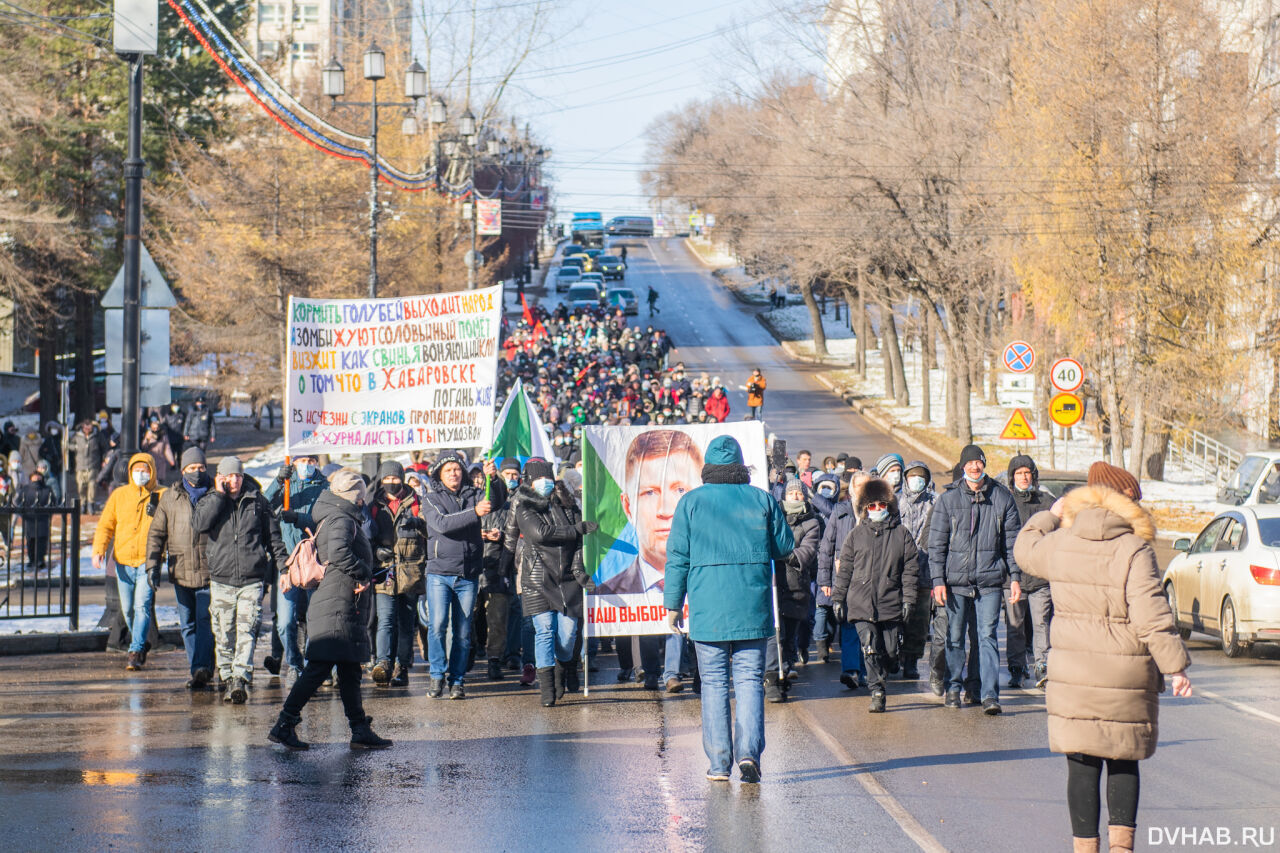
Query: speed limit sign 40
{"x": 1066, "y": 374}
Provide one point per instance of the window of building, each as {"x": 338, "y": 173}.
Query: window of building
{"x": 268, "y": 51}
{"x": 306, "y": 13}
{"x": 270, "y": 13}
{"x": 304, "y": 51}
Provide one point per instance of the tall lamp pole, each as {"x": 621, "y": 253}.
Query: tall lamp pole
{"x": 467, "y": 129}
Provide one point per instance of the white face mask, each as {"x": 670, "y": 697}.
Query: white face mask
{"x": 141, "y": 478}
{"x": 893, "y": 478}
{"x": 916, "y": 484}
{"x": 877, "y": 514}
{"x": 544, "y": 486}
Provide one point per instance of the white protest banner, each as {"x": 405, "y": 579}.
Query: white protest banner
{"x": 632, "y": 478}
{"x": 389, "y": 375}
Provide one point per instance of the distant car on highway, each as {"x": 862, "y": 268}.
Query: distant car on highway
{"x": 1256, "y": 480}
{"x": 624, "y": 298}
{"x": 576, "y": 261}
{"x": 593, "y": 278}
{"x": 630, "y": 226}
{"x": 583, "y": 296}
{"x": 611, "y": 266}
{"x": 571, "y": 249}
{"x": 566, "y": 277}
{"x": 1226, "y": 582}
{"x": 582, "y": 258}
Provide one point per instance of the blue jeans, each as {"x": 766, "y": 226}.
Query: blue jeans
{"x": 197, "y": 631}
{"x": 553, "y": 638}
{"x": 824, "y": 624}
{"x": 397, "y": 620}
{"x": 291, "y": 610}
{"x": 136, "y": 597}
{"x": 983, "y": 608}
{"x": 850, "y": 649}
{"x": 674, "y": 652}
{"x": 745, "y": 659}
{"x": 450, "y": 596}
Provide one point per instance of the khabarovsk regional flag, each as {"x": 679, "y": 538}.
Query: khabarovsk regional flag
{"x": 518, "y": 430}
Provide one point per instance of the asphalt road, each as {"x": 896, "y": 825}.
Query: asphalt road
{"x": 92, "y": 757}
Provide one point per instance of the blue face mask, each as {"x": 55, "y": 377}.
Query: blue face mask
{"x": 977, "y": 479}
{"x": 544, "y": 486}
{"x": 877, "y": 514}
{"x": 305, "y": 470}
{"x": 513, "y": 483}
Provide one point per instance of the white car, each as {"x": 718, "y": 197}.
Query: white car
{"x": 583, "y": 296}
{"x": 1227, "y": 581}
{"x": 1256, "y": 480}
{"x": 566, "y": 277}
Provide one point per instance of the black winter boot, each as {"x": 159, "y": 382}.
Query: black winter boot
{"x": 362, "y": 736}
{"x": 560, "y": 674}
{"x": 283, "y": 732}
{"x": 572, "y": 683}
{"x": 401, "y": 678}
{"x": 773, "y": 688}
{"x": 495, "y": 669}
{"x": 547, "y": 684}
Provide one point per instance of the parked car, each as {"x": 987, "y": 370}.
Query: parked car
{"x": 1256, "y": 480}
{"x": 1226, "y": 582}
{"x": 1056, "y": 483}
{"x": 624, "y": 298}
{"x": 611, "y": 266}
{"x": 583, "y": 295}
{"x": 566, "y": 277}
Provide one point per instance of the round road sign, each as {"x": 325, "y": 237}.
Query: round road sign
{"x": 1066, "y": 374}
{"x": 1066, "y": 409}
{"x": 1019, "y": 357}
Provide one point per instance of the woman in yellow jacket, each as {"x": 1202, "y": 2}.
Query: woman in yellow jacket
{"x": 126, "y": 521}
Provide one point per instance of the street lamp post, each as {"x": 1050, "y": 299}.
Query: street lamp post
{"x": 467, "y": 130}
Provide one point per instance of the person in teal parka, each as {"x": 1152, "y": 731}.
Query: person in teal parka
{"x": 725, "y": 536}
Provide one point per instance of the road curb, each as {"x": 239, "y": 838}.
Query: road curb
{"x": 70, "y": 641}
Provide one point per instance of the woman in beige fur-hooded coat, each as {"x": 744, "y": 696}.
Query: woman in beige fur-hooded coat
{"x": 1113, "y": 638}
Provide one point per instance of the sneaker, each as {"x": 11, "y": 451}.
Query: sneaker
{"x": 791, "y": 675}
{"x": 749, "y": 770}
{"x": 717, "y": 776}
{"x": 134, "y": 662}
{"x": 1015, "y": 680}
{"x": 271, "y": 664}
{"x": 1042, "y": 677}
{"x": 239, "y": 691}
{"x": 437, "y": 688}
{"x": 457, "y": 691}
{"x": 824, "y": 652}
{"x": 381, "y": 673}
{"x": 991, "y": 707}
{"x": 877, "y": 702}
{"x": 529, "y": 675}
{"x": 952, "y": 700}
{"x": 936, "y": 685}
{"x": 674, "y": 685}
{"x": 804, "y": 657}
{"x": 626, "y": 676}
{"x": 849, "y": 679}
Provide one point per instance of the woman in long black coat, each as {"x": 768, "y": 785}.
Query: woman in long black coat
{"x": 338, "y": 615}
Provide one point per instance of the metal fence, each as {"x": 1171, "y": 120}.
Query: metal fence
{"x": 40, "y": 562}
{"x": 1199, "y": 452}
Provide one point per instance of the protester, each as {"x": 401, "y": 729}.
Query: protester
{"x": 125, "y": 525}
{"x": 497, "y": 579}
{"x": 875, "y": 585}
{"x": 452, "y": 511}
{"x": 794, "y": 580}
{"x": 755, "y": 388}
{"x": 199, "y": 428}
{"x": 155, "y": 441}
{"x": 1115, "y": 641}
{"x": 889, "y": 469}
{"x": 306, "y": 483}
{"x": 400, "y": 555}
{"x": 717, "y": 405}
{"x": 36, "y": 492}
{"x": 175, "y": 422}
{"x": 173, "y": 540}
{"x": 915, "y": 502}
{"x": 1030, "y": 616}
{"x": 337, "y": 619}
{"x": 725, "y": 571}
{"x": 653, "y": 301}
{"x": 841, "y": 523}
{"x": 243, "y": 547}
{"x": 552, "y": 577}
{"x": 51, "y": 452}
{"x": 87, "y": 448}
{"x": 971, "y": 536}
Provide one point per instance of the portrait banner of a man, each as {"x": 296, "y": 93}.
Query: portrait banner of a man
{"x": 632, "y": 479}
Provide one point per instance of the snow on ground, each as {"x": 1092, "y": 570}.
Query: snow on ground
{"x": 792, "y": 324}
{"x": 89, "y": 616}
{"x": 710, "y": 253}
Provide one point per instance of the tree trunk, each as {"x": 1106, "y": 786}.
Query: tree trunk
{"x": 892, "y": 349}
{"x": 926, "y": 358}
{"x": 863, "y": 330}
{"x": 1273, "y": 399}
{"x": 1113, "y": 412}
{"x": 964, "y": 417}
{"x": 1137, "y": 453}
{"x": 815, "y": 318}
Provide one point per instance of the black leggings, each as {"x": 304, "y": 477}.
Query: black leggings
{"x": 1084, "y": 772}
{"x": 314, "y": 675}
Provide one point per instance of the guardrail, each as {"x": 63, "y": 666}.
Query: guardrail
{"x": 40, "y": 562}
{"x": 1197, "y": 451}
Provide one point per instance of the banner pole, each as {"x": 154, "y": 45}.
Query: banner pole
{"x": 288, "y": 487}
{"x": 776, "y": 642}
{"x": 586, "y": 658}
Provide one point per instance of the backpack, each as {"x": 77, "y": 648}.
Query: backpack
{"x": 305, "y": 569}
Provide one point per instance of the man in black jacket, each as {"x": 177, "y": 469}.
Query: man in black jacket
{"x": 1029, "y": 618}
{"x": 971, "y": 536}
{"x": 452, "y": 511}
{"x": 243, "y": 545}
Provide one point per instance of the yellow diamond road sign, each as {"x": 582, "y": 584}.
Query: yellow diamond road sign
{"x": 1066, "y": 409}
{"x": 1018, "y": 428}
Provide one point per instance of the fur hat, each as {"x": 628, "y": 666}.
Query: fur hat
{"x": 876, "y": 490}
{"x": 1104, "y": 474}
{"x": 347, "y": 484}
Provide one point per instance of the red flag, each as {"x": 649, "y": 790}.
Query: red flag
{"x": 528, "y": 315}
{"x": 540, "y": 331}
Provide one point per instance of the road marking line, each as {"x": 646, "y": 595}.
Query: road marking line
{"x": 903, "y": 818}
{"x": 1239, "y": 706}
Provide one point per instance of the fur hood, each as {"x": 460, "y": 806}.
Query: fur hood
{"x": 1115, "y": 514}
{"x": 876, "y": 490}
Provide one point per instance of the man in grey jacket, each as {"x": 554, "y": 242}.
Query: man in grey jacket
{"x": 971, "y": 538}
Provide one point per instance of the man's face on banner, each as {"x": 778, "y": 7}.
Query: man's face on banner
{"x": 650, "y": 501}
